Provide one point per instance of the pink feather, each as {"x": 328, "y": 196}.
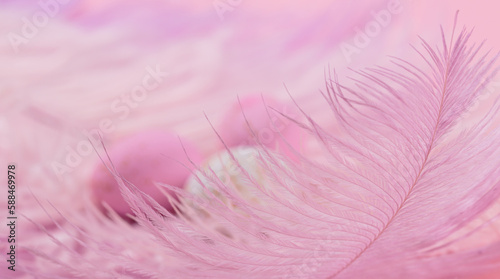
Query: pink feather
{"x": 398, "y": 189}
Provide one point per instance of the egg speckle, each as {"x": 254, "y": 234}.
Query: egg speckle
{"x": 221, "y": 166}
{"x": 231, "y": 175}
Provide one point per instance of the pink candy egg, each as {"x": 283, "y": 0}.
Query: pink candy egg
{"x": 265, "y": 125}
{"x": 143, "y": 159}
